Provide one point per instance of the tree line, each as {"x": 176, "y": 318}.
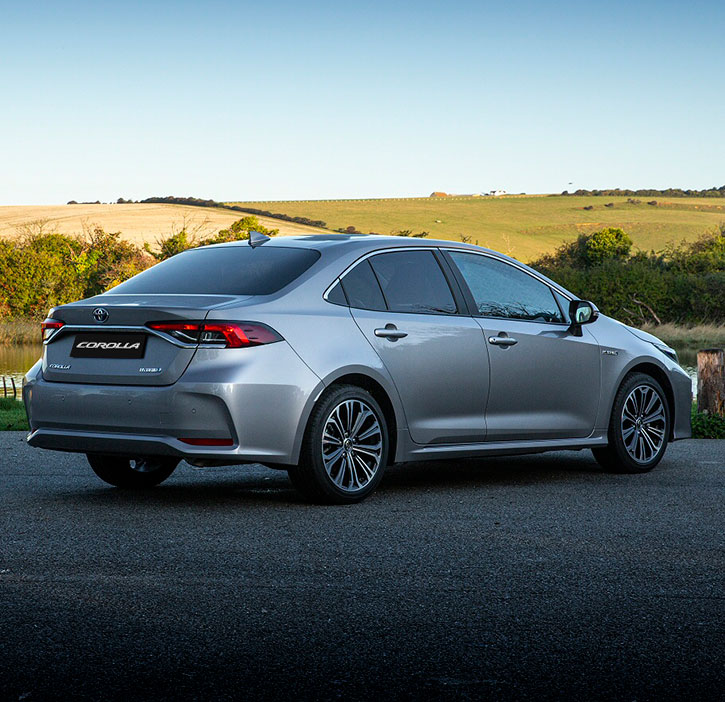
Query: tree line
{"x": 650, "y": 192}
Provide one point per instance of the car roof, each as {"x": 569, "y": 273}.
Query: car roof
{"x": 362, "y": 242}
{"x": 333, "y": 245}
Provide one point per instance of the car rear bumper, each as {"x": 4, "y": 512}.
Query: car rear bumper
{"x": 140, "y": 445}
{"x": 257, "y": 401}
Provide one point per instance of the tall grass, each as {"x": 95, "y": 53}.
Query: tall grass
{"x": 19, "y": 331}
{"x": 700, "y": 335}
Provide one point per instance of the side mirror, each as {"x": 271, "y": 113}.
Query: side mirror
{"x": 581, "y": 312}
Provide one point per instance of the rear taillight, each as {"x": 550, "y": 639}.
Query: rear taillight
{"x": 233, "y": 335}
{"x": 49, "y": 327}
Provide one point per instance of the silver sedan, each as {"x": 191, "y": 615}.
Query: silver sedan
{"x": 333, "y": 356}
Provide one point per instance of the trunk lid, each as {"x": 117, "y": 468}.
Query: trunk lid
{"x": 117, "y": 347}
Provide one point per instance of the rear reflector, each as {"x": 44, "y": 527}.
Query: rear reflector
{"x": 233, "y": 335}
{"x": 208, "y": 442}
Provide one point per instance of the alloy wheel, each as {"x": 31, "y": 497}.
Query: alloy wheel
{"x": 643, "y": 423}
{"x": 352, "y": 445}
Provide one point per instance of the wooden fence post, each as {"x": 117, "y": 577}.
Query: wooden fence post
{"x": 711, "y": 381}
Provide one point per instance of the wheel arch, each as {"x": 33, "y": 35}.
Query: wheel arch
{"x": 381, "y": 397}
{"x": 386, "y": 396}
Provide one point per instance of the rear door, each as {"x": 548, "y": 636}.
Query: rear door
{"x": 545, "y": 382}
{"x": 405, "y": 306}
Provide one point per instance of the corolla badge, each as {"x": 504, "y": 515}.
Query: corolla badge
{"x": 59, "y": 366}
{"x": 100, "y": 315}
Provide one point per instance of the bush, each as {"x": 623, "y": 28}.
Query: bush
{"x": 183, "y": 239}
{"x": 707, "y": 426}
{"x": 607, "y": 244}
{"x": 40, "y": 269}
{"x": 682, "y": 284}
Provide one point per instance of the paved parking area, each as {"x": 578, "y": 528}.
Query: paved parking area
{"x": 521, "y": 578}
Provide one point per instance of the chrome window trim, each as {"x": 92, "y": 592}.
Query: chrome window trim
{"x": 377, "y": 252}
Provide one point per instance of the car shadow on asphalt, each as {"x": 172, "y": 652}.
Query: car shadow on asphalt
{"x": 237, "y": 485}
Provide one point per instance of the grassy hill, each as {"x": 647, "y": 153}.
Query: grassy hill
{"x": 137, "y": 222}
{"x": 522, "y": 226}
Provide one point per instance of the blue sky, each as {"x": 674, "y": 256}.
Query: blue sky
{"x": 277, "y": 100}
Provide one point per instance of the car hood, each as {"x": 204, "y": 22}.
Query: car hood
{"x": 644, "y": 336}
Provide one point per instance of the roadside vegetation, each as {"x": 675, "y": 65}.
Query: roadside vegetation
{"x": 707, "y": 426}
{"x": 12, "y": 415}
{"x": 682, "y": 284}
{"x": 40, "y": 268}
{"x": 698, "y": 336}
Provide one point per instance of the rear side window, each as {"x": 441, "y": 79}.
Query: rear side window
{"x": 412, "y": 281}
{"x": 223, "y": 270}
{"x": 337, "y": 295}
{"x": 501, "y": 290}
{"x": 362, "y": 289}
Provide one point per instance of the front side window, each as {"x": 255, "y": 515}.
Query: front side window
{"x": 412, "y": 281}
{"x": 501, "y": 290}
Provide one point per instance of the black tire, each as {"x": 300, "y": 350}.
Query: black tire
{"x": 311, "y": 476}
{"x": 132, "y": 473}
{"x": 616, "y": 456}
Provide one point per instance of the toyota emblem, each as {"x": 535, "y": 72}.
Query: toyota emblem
{"x": 100, "y": 315}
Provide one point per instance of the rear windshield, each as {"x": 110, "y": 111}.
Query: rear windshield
{"x": 225, "y": 270}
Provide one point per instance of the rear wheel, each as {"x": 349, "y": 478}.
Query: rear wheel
{"x": 639, "y": 427}
{"x": 345, "y": 449}
{"x": 137, "y": 472}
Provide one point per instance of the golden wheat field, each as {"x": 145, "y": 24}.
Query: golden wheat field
{"x": 137, "y": 222}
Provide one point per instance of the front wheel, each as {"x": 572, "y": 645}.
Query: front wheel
{"x": 345, "y": 449}
{"x": 132, "y": 473}
{"x": 639, "y": 428}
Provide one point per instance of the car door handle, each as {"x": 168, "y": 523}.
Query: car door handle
{"x": 502, "y": 340}
{"x": 390, "y": 332}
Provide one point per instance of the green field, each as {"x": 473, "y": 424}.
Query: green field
{"x": 521, "y": 226}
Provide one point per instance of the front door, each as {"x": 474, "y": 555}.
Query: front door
{"x": 545, "y": 382}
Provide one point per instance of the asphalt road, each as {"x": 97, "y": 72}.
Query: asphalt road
{"x": 526, "y": 578}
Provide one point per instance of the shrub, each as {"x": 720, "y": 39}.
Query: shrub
{"x": 609, "y": 243}
{"x": 172, "y": 245}
{"x": 184, "y": 240}
{"x": 40, "y": 269}
{"x": 707, "y": 426}
{"x": 682, "y": 284}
